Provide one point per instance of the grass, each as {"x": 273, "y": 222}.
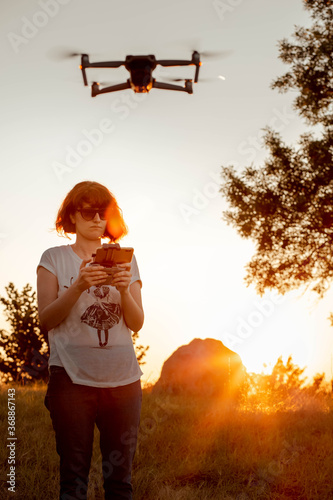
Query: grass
{"x": 190, "y": 448}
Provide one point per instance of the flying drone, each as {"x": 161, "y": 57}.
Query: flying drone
{"x": 141, "y": 69}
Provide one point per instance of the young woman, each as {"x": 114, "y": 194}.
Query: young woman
{"x": 94, "y": 373}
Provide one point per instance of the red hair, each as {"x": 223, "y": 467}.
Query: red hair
{"x": 98, "y": 196}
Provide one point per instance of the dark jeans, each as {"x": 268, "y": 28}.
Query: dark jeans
{"x": 74, "y": 411}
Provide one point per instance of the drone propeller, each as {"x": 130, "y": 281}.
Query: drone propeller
{"x": 62, "y": 53}
{"x": 174, "y": 79}
{"x": 210, "y": 80}
{"x": 105, "y": 84}
{"x": 198, "y": 44}
{"x": 215, "y": 54}
{"x": 205, "y": 80}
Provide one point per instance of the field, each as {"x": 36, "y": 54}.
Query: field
{"x": 190, "y": 448}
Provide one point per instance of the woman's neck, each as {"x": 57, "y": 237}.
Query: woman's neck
{"x": 84, "y": 249}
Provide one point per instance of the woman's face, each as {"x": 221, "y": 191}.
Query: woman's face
{"x": 89, "y": 221}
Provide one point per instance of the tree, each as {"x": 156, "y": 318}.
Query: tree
{"x": 286, "y": 377}
{"x": 282, "y": 381}
{"x": 286, "y": 205}
{"x": 140, "y": 350}
{"x": 286, "y": 388}
{"x": 24, "y": 350}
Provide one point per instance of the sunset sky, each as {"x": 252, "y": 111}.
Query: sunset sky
{"x": 161, "y": 155}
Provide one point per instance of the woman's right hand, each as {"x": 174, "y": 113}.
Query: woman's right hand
{"x": 90, "y": 276}
{"x": 53, "y": 309}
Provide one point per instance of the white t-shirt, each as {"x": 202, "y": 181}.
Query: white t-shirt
{"x": 92, "y": 343}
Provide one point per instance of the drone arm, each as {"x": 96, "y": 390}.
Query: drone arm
{"x": 109, "y": 64}
{"x": 95, "y": 90}
{"x": 170, "y": 86}
{"x": 85, "y": 63}
{"x": 170, "y": 62}
{"x": 195, "y": 61}
{"x": 197, "y": 73}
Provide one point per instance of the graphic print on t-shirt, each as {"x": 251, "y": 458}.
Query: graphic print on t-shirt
{"x": 102, "y": 314}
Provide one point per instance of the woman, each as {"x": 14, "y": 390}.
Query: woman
{"x": 94, "y": 373}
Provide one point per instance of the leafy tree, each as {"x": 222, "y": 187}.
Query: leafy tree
{"x": 318, "y": 383}
{"x": 286, "y": 377}
{"x": 286, "y": 388}
{"x": 140, "y": 350}
{"x": 286, "y": 205}
{"x": 23, "y": 350}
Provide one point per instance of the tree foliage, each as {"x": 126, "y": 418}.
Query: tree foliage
{"x": 311, "y": 68}
{"x": 286, "y": 388}
{"x": 286, "y": 205}
{"x": 140, "y": 350}
{"x": 24, "y": 350}
{"x": 283, "y": 380}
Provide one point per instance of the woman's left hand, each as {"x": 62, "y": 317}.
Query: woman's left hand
{"x": 122, "y": 279}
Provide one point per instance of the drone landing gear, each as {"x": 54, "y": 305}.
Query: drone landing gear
{"x": 95, "y": 90}
{"x": 189, "y": 86}
{"x": 168, "y": 86}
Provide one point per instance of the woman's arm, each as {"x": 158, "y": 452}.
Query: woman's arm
{"x": 52, "y": 309}
{"x": 131, "y": 304}
{"x": 131, "y": 301}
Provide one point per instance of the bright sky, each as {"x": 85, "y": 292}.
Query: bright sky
{"x": 160, "y": 154}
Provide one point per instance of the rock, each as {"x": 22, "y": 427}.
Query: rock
{"x": 203, "y": 366}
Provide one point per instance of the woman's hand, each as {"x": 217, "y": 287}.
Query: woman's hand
{"x": 131, "y": 302}
{"x": 53, "y": 309}
{"x": 122, "y": 279}
{"x": 90, "y": 276}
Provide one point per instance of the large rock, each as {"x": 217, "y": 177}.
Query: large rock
{"x": 203, "y": 366}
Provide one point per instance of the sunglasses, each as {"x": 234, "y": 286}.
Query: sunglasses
{"x": 90, "y": 213}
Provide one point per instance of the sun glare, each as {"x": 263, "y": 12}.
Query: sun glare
{"x": 286, "y": 331}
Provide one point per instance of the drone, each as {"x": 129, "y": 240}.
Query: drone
{"x": 141, "y": 69}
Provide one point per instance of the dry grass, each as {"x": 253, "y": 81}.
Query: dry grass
{"x": 191, "y": 448}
